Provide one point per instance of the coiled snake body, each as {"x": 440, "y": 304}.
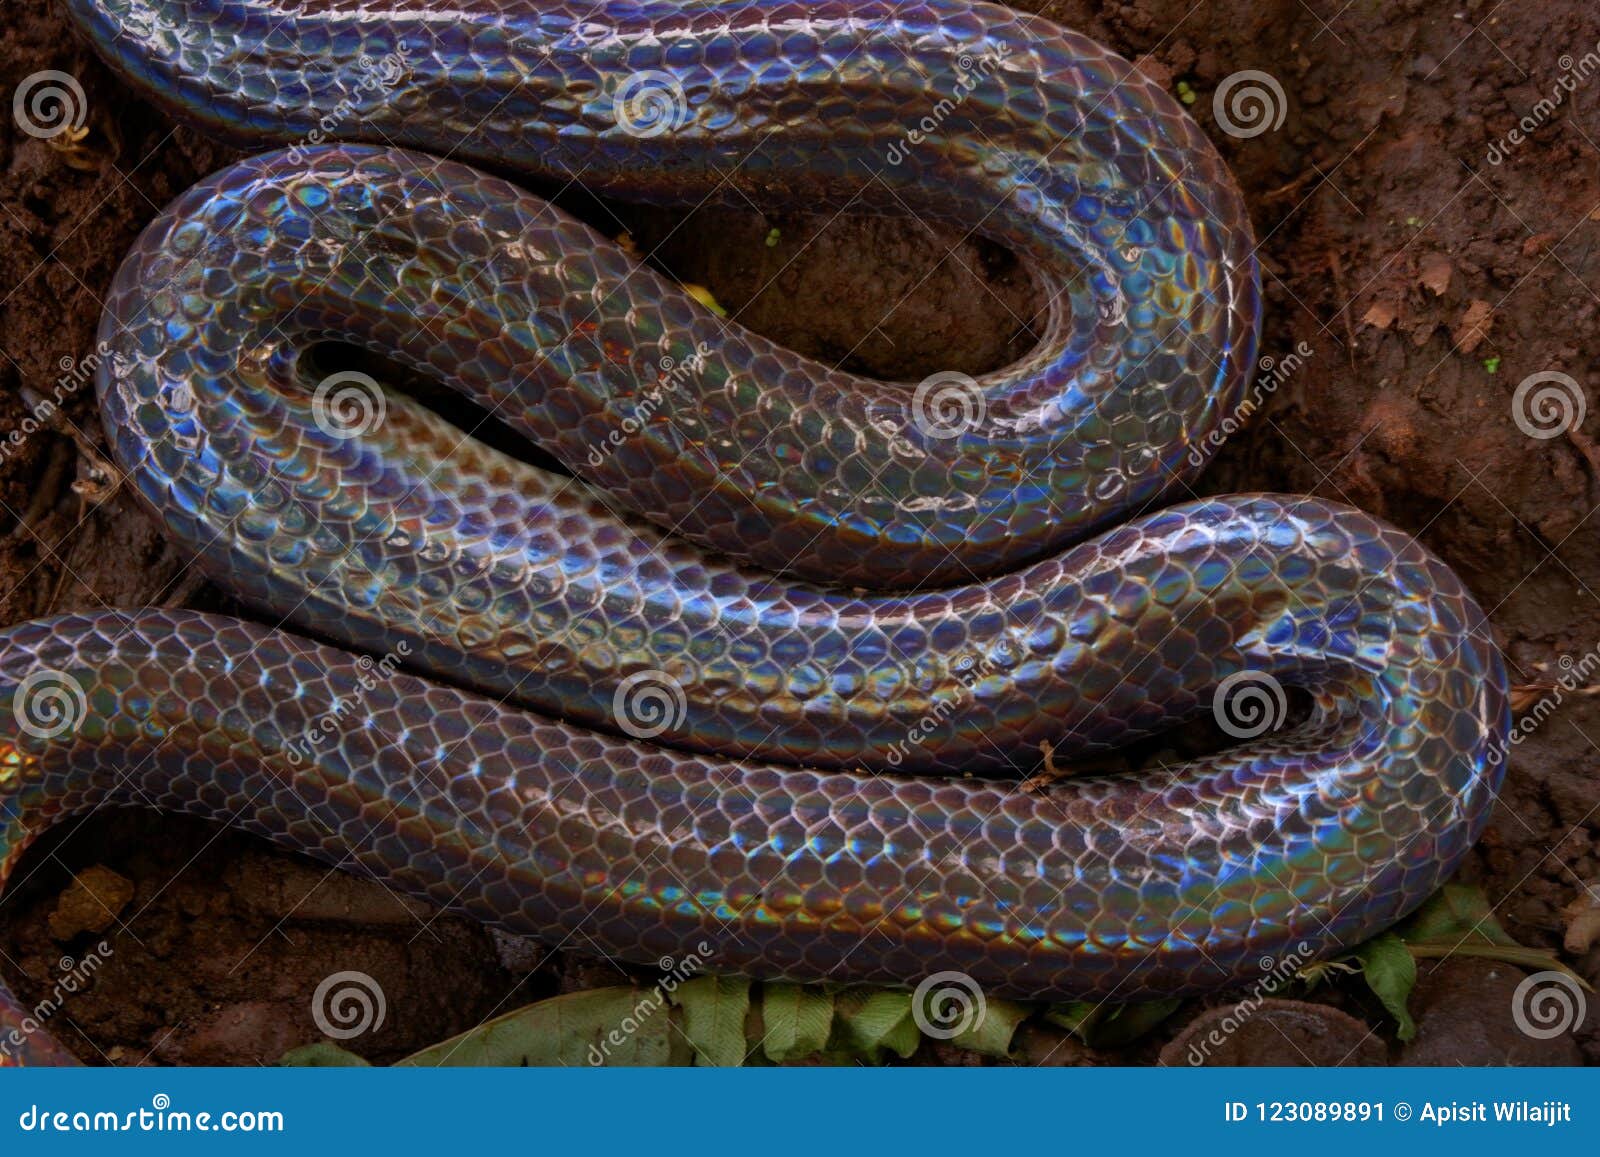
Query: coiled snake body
{"x": 775, "y": 765}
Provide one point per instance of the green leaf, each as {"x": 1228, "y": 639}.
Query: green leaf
{"x": 1457, "y": 920}
{"x": 903, "y": 1039}
{"x": 1455, "y": 913}
{"x": 1391, "y": 972}
{"x": 991, "y": 1033}
{"x": 604, "y": 1026}
{"x": 797, "y": 1021}
{"x": 322, "y": 1055}
{"x": 870, "y": 1020}
{"x": 1109, "y": 1026}
{"x": 714, "y": 1012}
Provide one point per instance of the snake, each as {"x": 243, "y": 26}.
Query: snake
{"x": 756, "y": 655}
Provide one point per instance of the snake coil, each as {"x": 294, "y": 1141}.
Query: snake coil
{"x": 746, "y": 710}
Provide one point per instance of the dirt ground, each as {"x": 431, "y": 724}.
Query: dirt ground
{"x": 1428, "y": 271}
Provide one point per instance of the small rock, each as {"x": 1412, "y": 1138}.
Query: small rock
{"x": 518, "y": 954}
{"x": 1275, "y": 1032}
{"x": 1423, "y": 67}
{"x": 1467, "y": 1013}
{"x": 91, "y": 903}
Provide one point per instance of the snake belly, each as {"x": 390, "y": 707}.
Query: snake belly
{"x": 739, "y": 813}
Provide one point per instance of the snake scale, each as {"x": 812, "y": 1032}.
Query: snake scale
{"x": 763, "y": 670}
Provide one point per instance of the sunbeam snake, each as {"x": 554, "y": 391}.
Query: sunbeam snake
{"x": 785, "y": 695}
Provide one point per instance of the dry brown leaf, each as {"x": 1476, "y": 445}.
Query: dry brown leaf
{"x": 1474, "y": 325}
{"x": 1434, "y": 273}
{"x": 1582, "y": 919}
{"x": 1525, "y": 695}
{"x": 1380, "y": 314}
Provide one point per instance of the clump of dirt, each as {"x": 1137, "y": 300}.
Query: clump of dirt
{"x": 1428, "y": 222}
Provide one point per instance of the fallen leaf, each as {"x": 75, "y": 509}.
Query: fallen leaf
{"x": 1434, "y": 273}
{"x": 1582, "y": 918}
{"x": 322, "y": 1055}
{"x": 714, "y": 1011}
{"x": 1391, "y": 972}
{"x": 1525, "y": 695}
{"x": 1105, "y": 1026}
{"x": 1474, "y": 326}
{"x": 797, "y": 1021}
{"x": 602, "y": 1026}
{"x": 1381, "y": 314}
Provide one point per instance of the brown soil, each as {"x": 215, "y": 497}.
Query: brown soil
{"x": 1426, "y": 280}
